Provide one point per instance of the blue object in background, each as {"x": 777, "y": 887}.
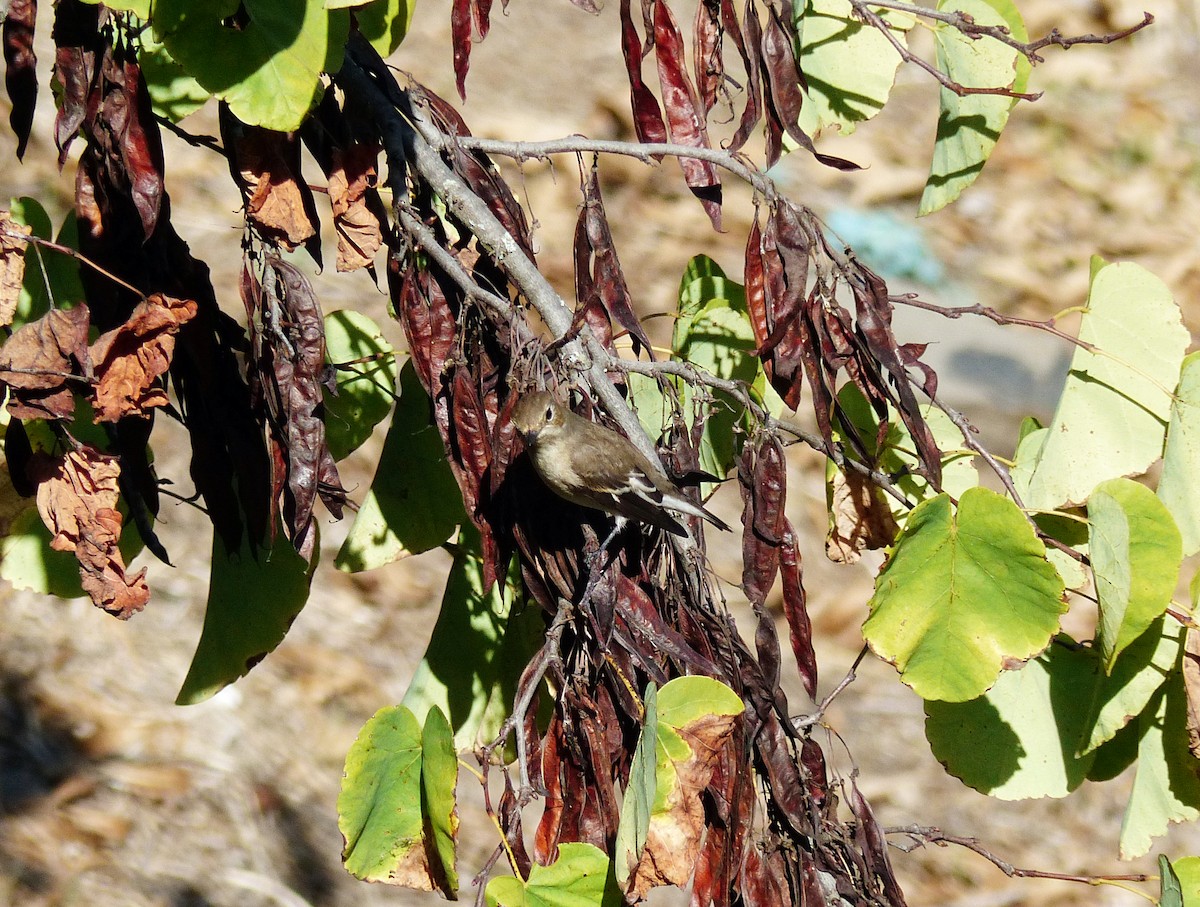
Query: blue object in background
{"x": 889, "y": 244}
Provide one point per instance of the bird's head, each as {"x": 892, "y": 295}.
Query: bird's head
{"x": 536, "y": 415}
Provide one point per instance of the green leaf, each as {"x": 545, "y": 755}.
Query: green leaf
{"x": 899, "y": 455}
{"x": 1165, "y": 788}
{"x": 1179, "y": 486}
{"x": 969, "y": 126}
{"x": 1116, "y": 756}
{"x": 713, "y": 332}
{"x": 1170, "y": 890}
{"x": 848, "y": 65}
{"x": 269, "y": 67}
{"x": 1112, "y": 417}
{"x": 684, "y": 700}
{"x": 580, "y": 877}
{"x": 414, "y": 503}
{"x": 1018, "y": 741}
{"x": 439, "y": 780}
{"x": 396, "y": 806}
{"x": 28, "y": 562}
{"x": 480, "y": 645}
{"x": 385, "y": 23}
{"x": 173, "y": 93}
{"x": 365, "y": 390}
{"x": 1138, "y": 673}
{"x": 252, "y": 601}
{"x": 1136, "y": 552}
{"x": 1187, "y": 873}
{"x": 962, "y": 594}
{"x": 638, "y": 801}
{"x": 51, "y": 278}
{"x": 1072, "y": 531}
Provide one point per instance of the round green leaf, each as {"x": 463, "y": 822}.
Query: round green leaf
{"x": 580, "y": 877}
{"x": 379, "y": 807}
{"x": 365, "y": 389}
{"x": 267, "y": 65}
{"x": 686, "y": 699}
{"x": 849, "y": 66}
{"x": 1112, "y": 416}
{"x": 962, "y": 594}
{"x": 1018, "y": 741}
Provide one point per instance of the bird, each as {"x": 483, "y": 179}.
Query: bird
{"x": 594, "y": 466}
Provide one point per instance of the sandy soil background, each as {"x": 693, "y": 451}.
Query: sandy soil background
{"x": 111, "y": 795}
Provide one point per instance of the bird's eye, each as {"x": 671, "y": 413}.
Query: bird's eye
{"x": 549, "y": 413}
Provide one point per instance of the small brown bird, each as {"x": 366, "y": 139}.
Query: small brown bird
{"x": 595, "y": 467}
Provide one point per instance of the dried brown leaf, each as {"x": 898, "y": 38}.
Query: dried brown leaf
{"x": 358, "y": 230}
{"x": 674, "y": 837}
{"x": 39, "y": 360}
{"x": 276, "y": 197}
{"x": 129, "y": 360}
{"x": 859, "y": 518}
{"x": 77, "y": 500}
{"x": 12, "y": 265}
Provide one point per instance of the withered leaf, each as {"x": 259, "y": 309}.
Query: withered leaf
{"x": 77, "y": 500}
{"x": 358, "y": 231}
{"x": 39, "y": 360}
{"x": 859, "y": 518}
{"x": 20, "y": 73}
{"x": 267, "y": 165}
{"x": 12, "y": 265}
{"x": 129, "y": 360}
{"x": 674, "y": 836}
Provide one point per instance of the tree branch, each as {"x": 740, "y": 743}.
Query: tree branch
{"x": 921, "y": 835}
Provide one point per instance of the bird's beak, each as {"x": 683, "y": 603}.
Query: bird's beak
{"x": 529, "y": 437}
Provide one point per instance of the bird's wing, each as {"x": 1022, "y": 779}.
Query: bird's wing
{"x": 619, "y": 486}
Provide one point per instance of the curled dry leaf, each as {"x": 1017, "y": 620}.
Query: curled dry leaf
{"x": 358, "y": 232}
{"x": 39, "y": 360}
{"x": 674, "y": 836}
{"x": 77, "y": 500}
{"x": 129, "y": 360}
{"x": 12, "y": 265}
{"x": 859, "y": 518}
{"x": 268, "y": 172}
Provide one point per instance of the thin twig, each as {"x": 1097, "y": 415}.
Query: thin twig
{"x": 646, "y": 152}
{"x": 966, "y": 24}
{"x": 807, "y": 721}
{"x": 954, "y": 312}
{"x": 70, "y": 253}
{"x": 872, "y": 18}
{"x": 921, "y": 835}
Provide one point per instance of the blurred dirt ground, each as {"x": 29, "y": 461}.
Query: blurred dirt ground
{"x": 111, "y": 795}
